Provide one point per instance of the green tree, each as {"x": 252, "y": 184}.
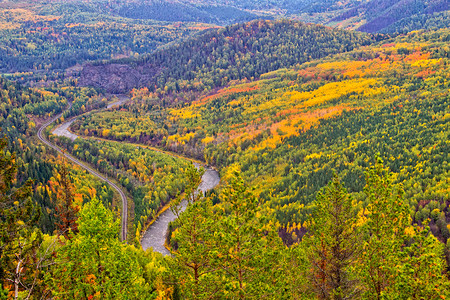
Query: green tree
{"x": 247, "y": 245}
{"x": 296, "y": 271}
{"x": 333, "y": 243}
{"x": 19, "y": 240}
{"x": 94, "y": 264}
{"x": 3, "y": 293}
{"x": 383, "y": 221}
{"x": 194, "y": 256}
{"x": 193, "y": 238}
{"x": 422, "y": 269}
{"x": 191, "y": 193}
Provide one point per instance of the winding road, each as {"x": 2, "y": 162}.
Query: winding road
{"x": 89, "y": 169}
{"x": 155, "y": 236}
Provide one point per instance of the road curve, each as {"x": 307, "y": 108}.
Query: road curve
{"x": 90, "y": 170}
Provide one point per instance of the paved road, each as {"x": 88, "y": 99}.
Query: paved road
{"x": 63, "y": 130}
{"x": 90, "y": 170}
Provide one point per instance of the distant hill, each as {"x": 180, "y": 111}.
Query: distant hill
{"x": 379, "y": 15}
{"x": 388, "y": 16}
{"x": 213, "y": 58}
{"x": 417, "y": 22}
{"x": 182, "y": 12}
{"x": 366, "y": 15}
{"x": 42, "y": 37}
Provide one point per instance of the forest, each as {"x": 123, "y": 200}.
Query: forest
{"x": 367, "y": 15}
{"x": 52, "y": 38}
{"x": 292, "y": 128}
{"x": 23, "y": 111}
{"x": 243, "y": 51}
{"x": 152, "y": 178}
{"x": 226, "y": 250}
{"x": 332, "y": 148}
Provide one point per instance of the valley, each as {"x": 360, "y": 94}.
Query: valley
{"x": 270, "y": 117}
{"x": 155, "y": 235}
{"x": 62, "y": 131}
{"x": 224, "y": 149}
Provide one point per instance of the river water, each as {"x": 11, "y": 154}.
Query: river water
{"x": 155, "y": 236}
{"x": 121, "y": 100}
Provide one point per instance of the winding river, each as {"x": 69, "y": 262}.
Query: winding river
{"x": 155, "y": 236}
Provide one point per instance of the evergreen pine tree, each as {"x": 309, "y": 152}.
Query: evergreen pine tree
{"x": 333, "y": 243}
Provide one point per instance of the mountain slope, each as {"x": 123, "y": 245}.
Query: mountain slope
{"x": 182, "y": 12}
{"x": 45, "y": 37}
{"x": 213, "y": 58}
{"x": 420, "y": 22}
{"x": 22, "y": 111}
{"x": 381, "y": 15}
{"x": 292, "y": 128}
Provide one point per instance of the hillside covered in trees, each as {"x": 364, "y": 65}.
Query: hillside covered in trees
{"x": 367, "y": 15}
{"x": 22, "y": 112}
{"x": 51, "y": 37}
{"x": 41, "y": 39}
{"x": 226, "y": 250}
{"x": 332, "y": 147}
{"x": 392, "y": 15}
{"x": 292, "y": 128}
{"x": 217, "y": 56}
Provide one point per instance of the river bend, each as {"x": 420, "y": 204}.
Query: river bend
{"x": 155, "y": 236}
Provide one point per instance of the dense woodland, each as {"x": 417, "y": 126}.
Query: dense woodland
{"x": 152, "y": 178}
{"x": 243, "y": 51}
{"x": 367, "y": 15}
{"x": 332, "y": 146}
{"x": 23, "y": 110}
{"x": 292, "y": 128}
{"x": 388, "y": 15}
{"x": 176, "y": 12}
{"x": 290, "y": 131}
{"x": 418, "y": 22}
{"x": 58, "y": 36}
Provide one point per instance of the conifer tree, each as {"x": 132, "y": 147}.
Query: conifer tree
{"x": 383, "y": 223}
{"x": 296, "y": 271}
{"x": 194, "y": 257}
{"x": 18, "y": 239}
{"x": 94, "y": 264}
{"x": 193, "y": 237}
{"x": 422, "y": 267}
{"x": 66, "y": 208}
{"x": 398, "y": 260}
{"x": 333, "y": 243}
{"x": 248, "y": 247}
